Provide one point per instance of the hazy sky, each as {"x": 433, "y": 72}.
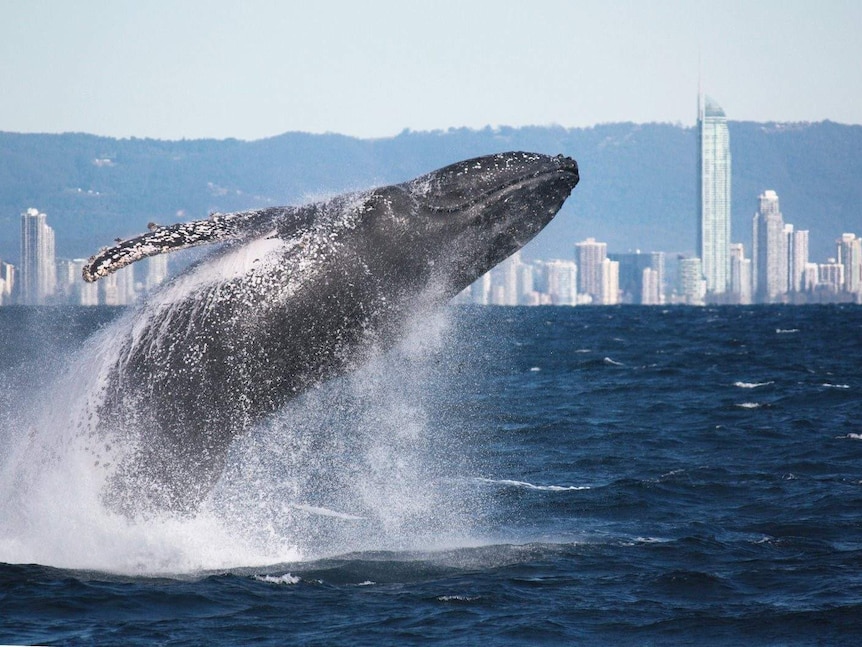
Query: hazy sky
{"x": 257, "y": 68}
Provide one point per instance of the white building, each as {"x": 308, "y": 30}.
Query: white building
{"x": 850, "y": 256}
{"x": 651, "y": 293}
{"x": 798, "y": 260}
{"x": 562, "y": 282}
{"x": 118, "y": 289}
{"x": 740, "y": 275}
{"x": 769, "y": 250}
{"x": 692, "y": 285}
{"x": 157, "y": 271}
{"x": 38, "y": 278}
{"x": 590, "y": 255}
{"x": 610, "y": 281}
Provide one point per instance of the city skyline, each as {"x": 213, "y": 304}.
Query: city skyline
{"x": 778, "y": 271}
{"x": 613, "y": 277}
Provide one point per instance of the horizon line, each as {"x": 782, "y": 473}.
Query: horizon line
{"x": 410, "y": 131}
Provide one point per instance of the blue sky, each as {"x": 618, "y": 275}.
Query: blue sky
{"x": 253, "y": 69}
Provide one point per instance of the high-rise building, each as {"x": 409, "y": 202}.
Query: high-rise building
{"x": 71, "y": 285}
{"x": 504, "y": 282}
{"x": 7, "y": 282}
{"x": 740, "y": 275}
{"x": 798, "y": 260}
{"x": 561, "y": 279}
{"x": 830, "y": 276}
{"x": 692, "y": 285}
{"x": 713, "y": 236}
{"x": 632, "y": 267}
{"x": 526, "y": 291}
{"x": 38, "y": 270}
{"x": 651, "y": 293}
{"x": 610, "y": 280}
{"x": 769, "y": 250}
{"x": 118, "y": 289}
{"x": 589, "y": 256}
{"x": 850, "y": 256}
{"x": 810, "y": 278}
{"x": 480, "y": 290}
{"x": 157, "y": 270}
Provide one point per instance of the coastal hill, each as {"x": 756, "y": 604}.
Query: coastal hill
{"x": 637, "y": 190}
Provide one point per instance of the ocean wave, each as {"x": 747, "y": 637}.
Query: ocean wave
{"x": 786, "y": 331}
{"x": 457, "y": 598}
{"x": 612, "y": 362}
{"x": 531, "y": 486}
{"x": 752, "y": 385}
{"x": 287, "y": 578}
{"x": 750, "y": 405}
{"x": 827, "y": 385}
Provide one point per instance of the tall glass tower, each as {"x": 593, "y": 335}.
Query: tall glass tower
{"x": 713, "y": 235}
{"x": 38, "y": 271}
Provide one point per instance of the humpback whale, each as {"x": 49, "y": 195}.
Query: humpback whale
{"x": 291, "y": 297}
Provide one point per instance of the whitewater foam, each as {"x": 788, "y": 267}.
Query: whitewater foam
{"x": 287, "y": 578}
{"x": 357, "y": 464}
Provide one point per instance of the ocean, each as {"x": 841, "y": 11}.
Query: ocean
{"x": 505, "y": 476}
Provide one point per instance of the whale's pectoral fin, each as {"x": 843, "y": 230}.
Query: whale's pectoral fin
{"x": 162, "y": 240}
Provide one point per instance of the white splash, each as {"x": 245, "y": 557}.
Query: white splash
{"x": 287, "y": 578}
{"x": 358, "y": 464}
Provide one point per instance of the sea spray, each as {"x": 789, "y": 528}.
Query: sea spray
{"x": 53, "y": 476}
{"x": 362, "y": 462}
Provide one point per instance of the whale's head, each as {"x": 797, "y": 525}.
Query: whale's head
{"x": 465, "y": 218}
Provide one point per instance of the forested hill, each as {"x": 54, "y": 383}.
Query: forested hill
{"x": 637, "y": 190}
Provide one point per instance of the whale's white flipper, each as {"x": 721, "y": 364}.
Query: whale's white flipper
{"x": 162, "y": 240}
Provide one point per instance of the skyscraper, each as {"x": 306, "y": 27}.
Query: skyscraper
{"x": 562, "y": 282}
{"x": 610, "y": 280}
{"x": 769, "y": 250}
{"x": 633, "y": 266}
{"x": 740, "y": 275}
{"x": 850, "y": 256}
{"x": 692, "y": 285}
{"x": 157, "y": 270}
{"x": 38, "y": 269}
{"x": 798, "y": 260}
{"x": 713, "y": 236}
{"x": 589, "y": 256}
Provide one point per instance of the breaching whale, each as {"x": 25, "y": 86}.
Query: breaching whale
{"x": 294, "y": 296}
